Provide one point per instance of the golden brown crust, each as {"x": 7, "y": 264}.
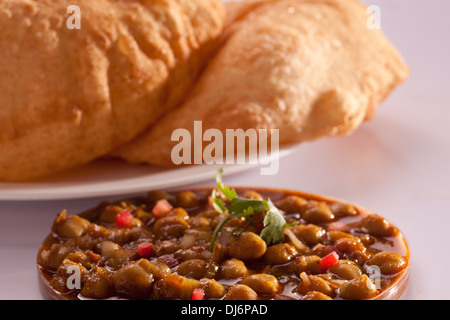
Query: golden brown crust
{"x": 70, "y": 96}
{"x": 309, "y": 68}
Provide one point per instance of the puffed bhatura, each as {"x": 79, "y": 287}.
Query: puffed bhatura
{"x": 310, "y": 69}
{"x": 68, "y": 96}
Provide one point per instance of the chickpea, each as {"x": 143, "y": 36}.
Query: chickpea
{"x": 336, "y": 235}
{"x": 166, "y": 247}
{"x": 388, "y": 262}
{"x": 70, "y": 226}
{"x": 170, "y": 227}
{"x": 137, "y": 233}
{"x": 67, "y": 268}
{"x": 247, "y": 246}
{"x": 119, "y": 236}
{"x": 232, "y": 269}
{"x": 313, "y": 283}
{"x": 200, "y": 223}
{"x": 353, "y": 249}
{"x": 187, "y": 199}
{"x": 320, "y": 250}
{"x": 178, "y": 212}
{"x": 189, "y": 254}
{"x": 350, "y": 245}
{"x": 318, "y": 212}
{"x": 358, "y": 289}
{"x": 264, "y": 284}
{"x": 280, "y": 253}
{"x": 86, "y": 242}
{"x": 209, "y": 213}
{"x": 212, "y": 288}
{"x": 241, "y": 292}
{"x": 175, "y": 286}
{"x": 79, "y": 257}
{"x": 220, "y": 252}
{"x": 109, "y": 214}
{"x": 343, "y": 209}
{"x": 195, "y": 268}
{"x": 249, "y": 194}
{"x": 52, "y": 258}
{"x": 346, "y": 269}
{"x": 99, "y": 285}
{"x": 157, "y": 268}
{"x": 378, "y": 226}
{"x": 307, "y": 264}
{"x": 309, "y": 233}
{"x": 98, "y": 231}
{"x": 59, "y": 284}
{"x": 116, "y": 254}
{"x": 133, "y": 282}
{"x": 292, "y": 204}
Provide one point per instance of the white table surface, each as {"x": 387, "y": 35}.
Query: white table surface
{"x": 396, "y": 165}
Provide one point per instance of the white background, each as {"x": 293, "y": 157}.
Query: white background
{"x": 396, "y": 165}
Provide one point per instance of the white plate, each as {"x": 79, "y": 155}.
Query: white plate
{"x": 113, "y": 177}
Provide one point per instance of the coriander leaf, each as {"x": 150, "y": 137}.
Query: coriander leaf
{"x": 230, "y": 194}
{"x": 242, "y": 206}
{"x": 274, "y": 224}
{"x": 217, "y": 203}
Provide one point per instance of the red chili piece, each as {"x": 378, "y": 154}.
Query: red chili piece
{"x": 145, "y": 249}
{"x": 329, "y": 261}
{"x": 161, "y": 208}
{"x": 198, "y": 294}
{"x": 124, "y": 219}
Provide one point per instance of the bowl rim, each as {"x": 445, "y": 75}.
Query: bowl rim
{"x": 393, "y": 292}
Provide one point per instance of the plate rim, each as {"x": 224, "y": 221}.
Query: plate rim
{"x": 47, "y": 190}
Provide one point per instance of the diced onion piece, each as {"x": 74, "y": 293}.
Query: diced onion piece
{"x": 198, "y": 294}
{"x": 188, "y": 241}
{"x": 295, "y": 241}
{"x": 109, "y": 248}
{"x": 161, "y": 208}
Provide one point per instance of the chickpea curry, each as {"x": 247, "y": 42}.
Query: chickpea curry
{"x": 221, "y": 243}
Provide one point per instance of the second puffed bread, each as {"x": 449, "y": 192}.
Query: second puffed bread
{"x": 311, "y": 69}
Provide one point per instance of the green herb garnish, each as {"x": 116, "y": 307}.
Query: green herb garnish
{"x": 274, "y": 222}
